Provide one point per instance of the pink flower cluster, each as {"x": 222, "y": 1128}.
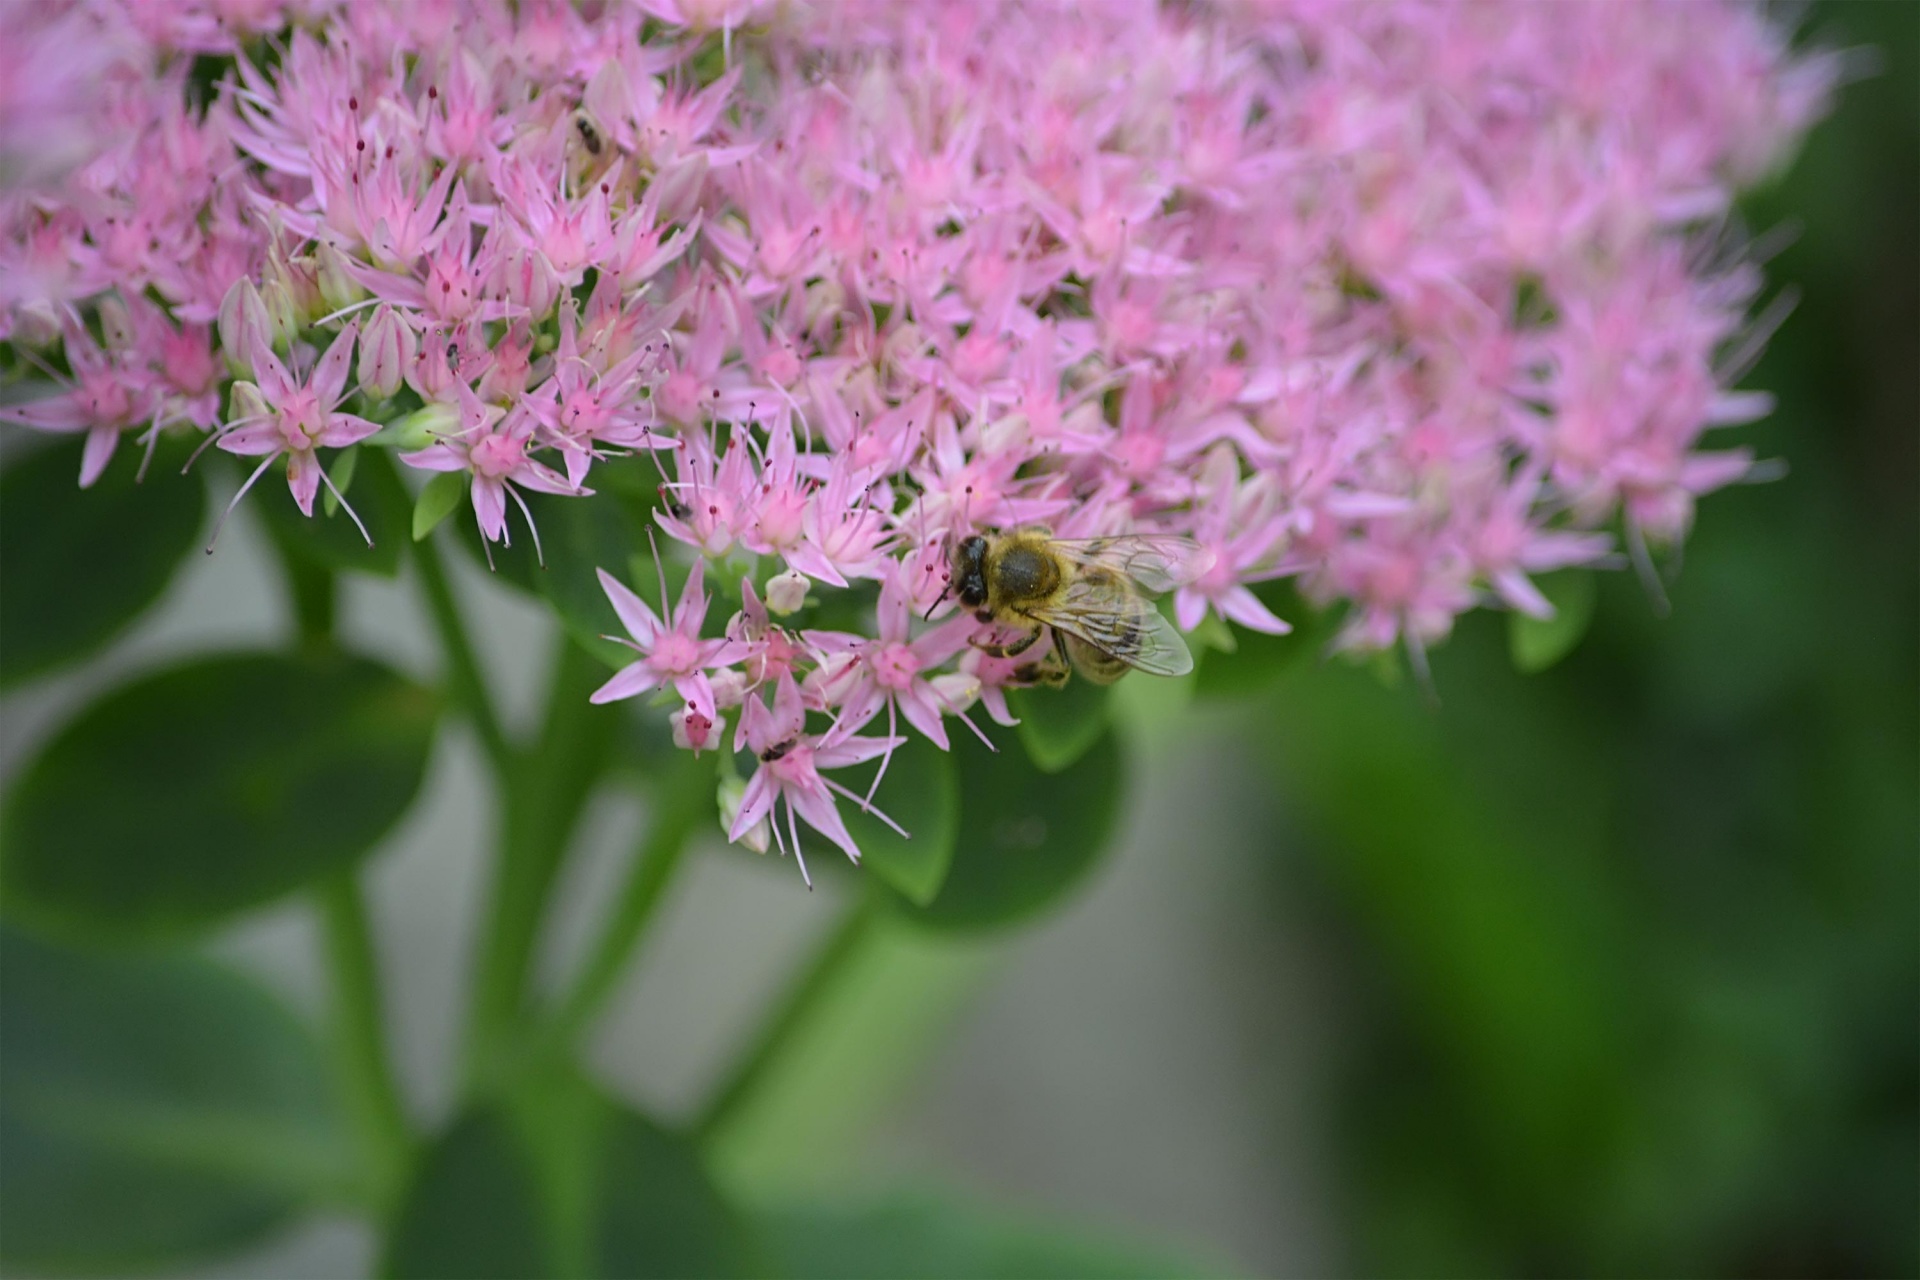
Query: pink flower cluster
{"x": 1406, "y": 301}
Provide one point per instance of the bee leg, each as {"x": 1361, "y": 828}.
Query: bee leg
{"x": 1052, "y": 670}
{"x": 1013, "y": 650}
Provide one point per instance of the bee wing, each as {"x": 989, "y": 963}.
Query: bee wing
{"x": 1157, "y": 561}
{"x": 1116, "y": 620}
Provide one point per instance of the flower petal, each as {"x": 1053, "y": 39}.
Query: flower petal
{"x": 635, "y": 616}
{"x": 629, "y": 681}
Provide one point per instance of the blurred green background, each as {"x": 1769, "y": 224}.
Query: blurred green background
{"x": 1636, "y": 941}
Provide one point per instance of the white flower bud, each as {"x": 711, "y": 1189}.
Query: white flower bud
{"x": 425, "y": 425}
{"x": 338, "y": 289}
{"x": 787, "y": 592}
{"x": 35, "y": 325}
{"x": 246, "y": 404}
{"x": 729, "y": 686}
{"x": 757, "y": 837}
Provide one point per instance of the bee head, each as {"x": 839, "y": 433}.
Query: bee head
{"x": 970, "y": 571}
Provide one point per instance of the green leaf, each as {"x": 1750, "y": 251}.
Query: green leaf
{"x": 656, "y": 1212}
{"x": 919, "y": 1237}
{"x": 81, "y": 564}
{"x": 1025, "y": 837}
{"x": 1057, "y": 726}
{"x": 329, "y": 537}
{"x": 1538, "y": 643}
{"x": 342, "y": 476}
{"x": 209, "y": 788}
{"x": 437, "y": 500}
{"x": 474, "y": 1208}
{"x": 155, "y": 1110}
{"x": 921, "y": 792}
{"x": 579, "y": 535}
{"x": 1253, "y": 660}
{"x": 557, "y": 1179}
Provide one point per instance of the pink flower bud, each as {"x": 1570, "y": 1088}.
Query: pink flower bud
{"x": 525, "y": 279}
{"x": 243, "y": 320}
{"x": 694, "y": 732}
{"x": 300, "y": 277}
{"x": 676, "y": 188}
{"x": 387, "y": 349}
{"x": 283, "y": 314}
{"x": 338, "y": 288}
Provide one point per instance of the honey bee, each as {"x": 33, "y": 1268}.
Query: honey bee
{"x": 1090, "y": 593}
{"x": 589, "y": 135}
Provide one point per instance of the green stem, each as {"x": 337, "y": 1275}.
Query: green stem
{"x": 359, "y": 1033}
{"x": 312, "y": 594}
{"x": 543, "y": 803}
{"x": 796, "y": 1006}
{"x": 463, "y": 668}
{"x": 360, "y": 1037}
{"x": 683, "y": 798}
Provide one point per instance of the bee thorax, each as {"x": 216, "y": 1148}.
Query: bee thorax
{"x": 1024, "y": 573}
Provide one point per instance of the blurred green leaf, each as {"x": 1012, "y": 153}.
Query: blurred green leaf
{"x": 558, "y": 1180}
{"x": 1257, "y": 659}
{"x": 1466, "y": 845}
{"x": 155, "y": 1110}
{"x": 193, "y": 794}
{"x": 1538, "y": 643}
{"x": 436, "y": 501}
{"x": 920, "y": 792}
{"x": 330, "y": 538}
{"x": 1026, "y": 837}
{"x": 1057, "y": 726}
{"x": 474, "y": 1208}
{"x": 79, "y": 565}
{"x": 341, "y": 473}
{"x": 918, "y": 1237}
{"x": 579, "y": 535}
{"x": 657, "y": 1213}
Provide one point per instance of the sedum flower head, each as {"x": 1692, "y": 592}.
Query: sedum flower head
{"x": 1406, "y": 301}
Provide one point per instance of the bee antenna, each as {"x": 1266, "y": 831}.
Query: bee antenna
{"x": 928, "y": 616}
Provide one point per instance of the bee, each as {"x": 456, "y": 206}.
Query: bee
{"x": 1090, "y": 593}
{"x": 589, "y": 135}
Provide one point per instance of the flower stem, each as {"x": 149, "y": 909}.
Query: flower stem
{"x": 463, "y": 669}
{"x": 796, "y": 1006}
{"x": 543, "y": 802}
{"x": 311, "y": 592}
{"x": 360, "y": 1039}
{"x": 684, "y": 795}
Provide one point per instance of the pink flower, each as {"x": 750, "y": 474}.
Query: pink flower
{"x": 1403, "y": 301}
{"x": 280, "y": 415}
{"x": 894, "y": 670}
{"x": 105, "y": 398}
{"x": 492, "y": 443}
{"x": 790, "y": 764}
{"x": 671, "y": 652}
